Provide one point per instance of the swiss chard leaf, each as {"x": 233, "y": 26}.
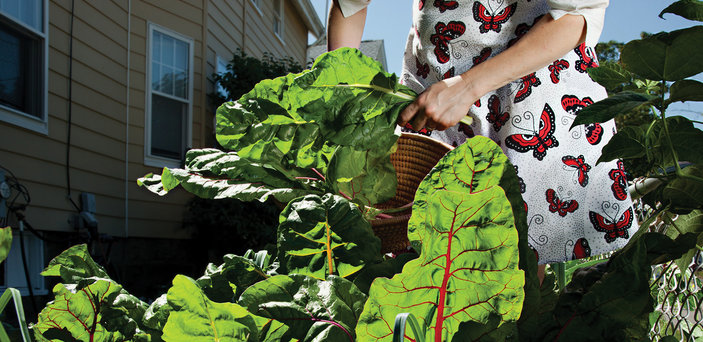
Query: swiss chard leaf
{"x": 194, "y": 316}
{"x": 211, "y": 173}
{"x": 366, "y": 177}
{"x": 226, "y": 282}
{"x": 73, "y": 265}
{"x": 386, "y": 268}
{"x": 79, "y": 314}
{"x": 464, "y": 228}
{"x": 314, "y": 310}
{"x": 346, "y": 96}
{"x": 323, "y": 236}
{"x": 5, "y": 242}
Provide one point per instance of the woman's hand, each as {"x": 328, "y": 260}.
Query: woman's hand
{"x": 440, "y": 106}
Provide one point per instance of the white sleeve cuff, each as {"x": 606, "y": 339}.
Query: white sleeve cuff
{"x": 593, "y": 11}
{"x": 350, "y": 7}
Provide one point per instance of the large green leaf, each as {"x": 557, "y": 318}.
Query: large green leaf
{"x": 226, "y": 282}
{"x": 604, "y": 302}
{"x": 668, "y": 56}
{"x": 686, "y": 139}
{"x": 386, "y": 268}
{"x": 314, "y": 310}
{"x": 689, "y": 9}
{"x": 690, "y": 223}
{"x": 684, "y": 194}
{"x": 73, "y": 265}
{"x": 78, "y": 315}
{"x": 464, "y": 228}
{"x": 211, "y": 173}
{"x": 5, "y": 242}
{"x": 606, "y": 109}
{"x": 626, "y": 144}
{"x": 366, "y": 177}
{"x": 610, "y": 75}
{"x": 345, "y": 97}
{"x": 156, "y": 316}
{"x": 686, "y": 90}
{"x": 196, "y": 318}
{"x": 323, "y": 236}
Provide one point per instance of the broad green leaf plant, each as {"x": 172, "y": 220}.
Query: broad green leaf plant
{"x": 319, "y": 141}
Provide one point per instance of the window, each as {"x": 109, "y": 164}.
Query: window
{"x": 169, "y": 100}
{"x": 278, "y": 18}
{"x": 23, "y": 63}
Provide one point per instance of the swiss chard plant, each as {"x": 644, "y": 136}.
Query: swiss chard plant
{"x": 329, "y": 129}
{"x": 319, "y": 141}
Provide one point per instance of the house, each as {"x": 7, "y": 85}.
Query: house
{"x": 95, "y": 94}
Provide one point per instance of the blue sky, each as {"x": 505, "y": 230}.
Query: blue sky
{"x": 390, "y": 20}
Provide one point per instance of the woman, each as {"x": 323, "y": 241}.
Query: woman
{"x": 518, "y": 67}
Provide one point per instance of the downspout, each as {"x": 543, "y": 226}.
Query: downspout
{"x": 126, "y": 145}
{"x": 203, "y": 84}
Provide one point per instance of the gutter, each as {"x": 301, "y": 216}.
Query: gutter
{"x": 312, "y": 21}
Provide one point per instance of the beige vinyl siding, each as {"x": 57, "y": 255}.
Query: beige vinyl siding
{"x": 99, "y": 126}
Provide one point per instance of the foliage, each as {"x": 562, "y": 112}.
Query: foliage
{"x": 5, "y": 242}
{"x": 324, "y": 236}
{"x": 307, "y": 138}
{"x": 304, "y": 133}
{"x": 465, "y": 231}
{"x": 243, "y": 72}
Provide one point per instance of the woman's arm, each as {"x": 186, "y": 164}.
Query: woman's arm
{"x": 344, "y": 31}
{"x": 446, "y": 102}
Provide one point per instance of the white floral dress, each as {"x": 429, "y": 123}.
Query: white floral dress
{"x": 575, "y": 208}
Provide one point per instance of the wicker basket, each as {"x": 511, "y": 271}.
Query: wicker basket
{"x": 415, "y": 157}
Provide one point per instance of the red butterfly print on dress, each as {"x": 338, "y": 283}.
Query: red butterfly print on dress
{"x": 556, "y": 67}
{"x": 444, "y": 33}
{"x": 495, "y": 116}
{"x": 445, "y": 5}
{"x": 587, "y": 59}
{"x": 525, "y": 88}
{"x": 581, "y": 249}
{"x": 619, "y": 186}
{"x": 538, "y": 135}
{"x": 579, "y": 165}
{"x": 492, "y": 20}
{"x": 572, "y": 105}
{"x": 557, "y": 205}
{"x": 422, "y": 69}
{"x": 614, "y": 226}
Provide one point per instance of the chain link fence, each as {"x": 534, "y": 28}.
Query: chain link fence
{"x": 677, "y": 292}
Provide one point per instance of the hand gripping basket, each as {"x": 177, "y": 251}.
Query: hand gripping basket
{"x": 415, "y": 157}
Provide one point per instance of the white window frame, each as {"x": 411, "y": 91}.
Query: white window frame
{"x": 19, "y": 118}
{"x": 150, "y": 159}
{"x": 280, "y": 17}
{"x": 257, "y": 6}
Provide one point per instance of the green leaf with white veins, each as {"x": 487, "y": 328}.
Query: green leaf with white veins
{"x": 196, "y": 318}
{"x": 323, "y": 236}
{"x": 314, "y": 310}
{"x": 211, "y": 173}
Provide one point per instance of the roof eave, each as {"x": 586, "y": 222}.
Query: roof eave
{"x": 312, "y": 20}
